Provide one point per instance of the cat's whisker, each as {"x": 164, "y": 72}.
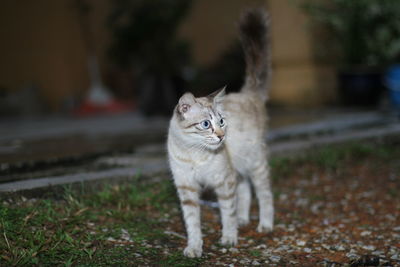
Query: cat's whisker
{"x": 202, "y": 152}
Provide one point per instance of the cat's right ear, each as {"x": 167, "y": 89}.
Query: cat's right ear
{"x": 185, "y": 103}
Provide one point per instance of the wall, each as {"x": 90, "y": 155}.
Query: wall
{"x": 42, "y": 44}
{"x": 211, "y": 26}
{"x": 297, "y": 79}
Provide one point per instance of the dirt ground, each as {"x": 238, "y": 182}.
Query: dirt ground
{"x": 334, "y": 208}
{"x": 338, "y": 206}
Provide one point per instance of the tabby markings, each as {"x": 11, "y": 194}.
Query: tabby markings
{"x": 188, "y": 188}
{"x": 189, "y": 202}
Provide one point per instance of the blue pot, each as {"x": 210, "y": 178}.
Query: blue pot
{"x": 392, "y": 81}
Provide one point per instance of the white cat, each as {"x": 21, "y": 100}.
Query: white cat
{"x": 218, "y": 141}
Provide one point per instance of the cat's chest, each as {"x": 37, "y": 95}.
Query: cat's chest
{"x": 199, "y": 163}
{"x": 199, "y": 166}
{"x": 210, "y": 171}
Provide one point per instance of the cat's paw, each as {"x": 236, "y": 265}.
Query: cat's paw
{"x": 230, "y": 240}
{"x": 193, "y": 252}
{"x": 265, "y": 227}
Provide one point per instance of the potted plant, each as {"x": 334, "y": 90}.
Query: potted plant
{"x": 392, "y": 81}
{"x": 366, "y": 35}
{"x": 144, "y": 39}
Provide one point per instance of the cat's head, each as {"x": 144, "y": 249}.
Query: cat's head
{"x": 202, "y": 119}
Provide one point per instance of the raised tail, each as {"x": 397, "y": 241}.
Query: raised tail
{"x": 254, "y": 35}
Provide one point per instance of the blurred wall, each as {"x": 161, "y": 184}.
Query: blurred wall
{"x": 42, "y": 44}
{"x": 297, "y": 78}
{"x": 211, "y": 26}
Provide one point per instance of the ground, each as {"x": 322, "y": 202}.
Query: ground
{"x": 335, "y": 206}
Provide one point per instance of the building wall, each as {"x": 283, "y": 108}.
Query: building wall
{"x": 210, "y": 26}
{"x": 297, "y": 78}
{"x": 42, "y": 44}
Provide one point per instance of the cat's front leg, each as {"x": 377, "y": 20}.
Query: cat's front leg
{"x": 189, "y": 198}
{"x": 226, "y": 194}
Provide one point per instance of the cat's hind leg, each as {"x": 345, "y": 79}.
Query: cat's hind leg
{"x": 259, "y": 175}
{"x": 226, "y": 194}
{"x": 243, "y": 201}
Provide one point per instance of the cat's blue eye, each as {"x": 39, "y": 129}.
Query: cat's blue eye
{"x": 221, "y": 122}
{"x": 205, "y": 124}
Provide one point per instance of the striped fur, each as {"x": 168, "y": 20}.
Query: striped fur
{"x": 218, "y": 141}
{"x": 254, "y": 35}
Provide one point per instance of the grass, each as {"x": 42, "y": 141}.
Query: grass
{"x": 81, "y": 230}
{"x": 178, "y": 260}
{"x": 255, "y": 253}
{"x": 116, "y": 225}
{"x": 334, "y": 157}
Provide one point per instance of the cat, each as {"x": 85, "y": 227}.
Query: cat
{"x": 218, "y": 141}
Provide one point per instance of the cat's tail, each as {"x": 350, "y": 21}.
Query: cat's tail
{"x": 254, "y": 36}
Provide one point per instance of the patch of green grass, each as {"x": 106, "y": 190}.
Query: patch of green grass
{"x": 112, "y": 256}
{"x": 317, "y": 197}
{"x": 76, "y": 229}
{"x": 333, "y": 157}
{"x": 178, "y": 260}
{"x": 394, "y": 193}
{"x": 255, "y": 253}
{"x": 281, "y": 167}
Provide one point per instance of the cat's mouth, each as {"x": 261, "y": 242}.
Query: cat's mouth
{"x": 216, "y": 144}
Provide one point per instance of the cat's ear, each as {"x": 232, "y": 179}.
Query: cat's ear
{"x": 218, "y": 96}
{"x": 185, "y": 102}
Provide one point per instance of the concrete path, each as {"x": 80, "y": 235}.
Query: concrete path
{"x": 150, "y": 159}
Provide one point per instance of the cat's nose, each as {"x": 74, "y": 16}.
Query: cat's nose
{"x": 221, "y": 136}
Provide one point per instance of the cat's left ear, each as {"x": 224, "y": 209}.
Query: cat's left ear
{"x": 218, "y": 96}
